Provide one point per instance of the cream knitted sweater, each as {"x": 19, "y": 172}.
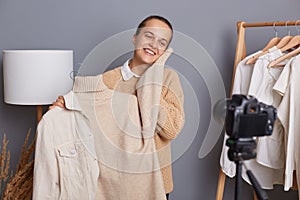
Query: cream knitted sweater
{"x": 127, "y": 156}
{"x": 170, "y": 117}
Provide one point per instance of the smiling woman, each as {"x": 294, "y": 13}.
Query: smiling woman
{"x": 151, "y": 41}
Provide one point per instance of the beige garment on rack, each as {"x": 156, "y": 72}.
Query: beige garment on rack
{"x": 288, "y": 85}
{"x": 268, "y": 166}
{"x": 241, "y": 84}
{"x": 270, "y": 149}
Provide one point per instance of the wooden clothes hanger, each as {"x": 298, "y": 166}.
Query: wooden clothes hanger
{"x": 271, "y": 44}
{"x": 276, "y": 41}
{"x": 264, "y": 51}
{"x": 285, "y": 39}
{"x": 293, "y": 43}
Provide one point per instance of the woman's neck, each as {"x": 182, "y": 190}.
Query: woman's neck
{"x": 137, "y": 67}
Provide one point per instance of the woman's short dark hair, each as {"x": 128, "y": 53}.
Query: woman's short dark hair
{"x": 160, "y": 18}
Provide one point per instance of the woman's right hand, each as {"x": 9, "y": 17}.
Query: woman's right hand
{"x": 60, "y": 102}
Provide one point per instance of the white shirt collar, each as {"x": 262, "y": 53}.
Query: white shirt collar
{"x": 126, "y": 72}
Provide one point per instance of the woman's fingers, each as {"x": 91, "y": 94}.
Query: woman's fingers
{"x": 60, "y": 102}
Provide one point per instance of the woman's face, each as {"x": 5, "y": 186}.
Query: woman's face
{"x": 151, "y": 42}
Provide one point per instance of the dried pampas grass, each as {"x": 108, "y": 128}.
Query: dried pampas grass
{"x": 4, "y": 164}
{"x": 19, "y": 185}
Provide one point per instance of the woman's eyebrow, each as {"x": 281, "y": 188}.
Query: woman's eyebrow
{"x": 154, "y": 35}
{"x": 149, "y": 32}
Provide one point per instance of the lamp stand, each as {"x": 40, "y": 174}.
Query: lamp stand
{"x": 39, "y": 112}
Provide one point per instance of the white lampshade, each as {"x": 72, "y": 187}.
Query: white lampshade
{"x": 36, "y": 77}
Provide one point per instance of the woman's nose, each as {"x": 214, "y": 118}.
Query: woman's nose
{"x": 154, "y": 44}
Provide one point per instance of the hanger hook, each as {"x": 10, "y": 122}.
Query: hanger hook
{"x": 276, "y": 33}
{"x": 296, "y": 25}
{"x": 286, "y": 26}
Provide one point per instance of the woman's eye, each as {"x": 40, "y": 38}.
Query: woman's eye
{"x": 148, "y": 36}
{"x": 163, "y": 44}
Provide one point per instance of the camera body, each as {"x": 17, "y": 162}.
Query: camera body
{"x": 247, "y": 118}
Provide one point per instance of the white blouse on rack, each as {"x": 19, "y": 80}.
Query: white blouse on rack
{"x": 288, "y": 85}
{"x": 241, "y": 85}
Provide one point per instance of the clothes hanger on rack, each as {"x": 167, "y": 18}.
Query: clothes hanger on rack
{"x": 285, "y": 39}
{"x": 293, "y": 43}
{"x": 275, "y": 40}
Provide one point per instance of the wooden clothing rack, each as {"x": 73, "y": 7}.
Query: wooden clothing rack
{"x": 240, "y": 54}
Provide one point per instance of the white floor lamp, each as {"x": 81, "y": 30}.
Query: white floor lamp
{"x": 36, "y": 77}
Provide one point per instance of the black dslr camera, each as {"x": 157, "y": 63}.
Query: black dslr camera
{"x": 246, "y": 117}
